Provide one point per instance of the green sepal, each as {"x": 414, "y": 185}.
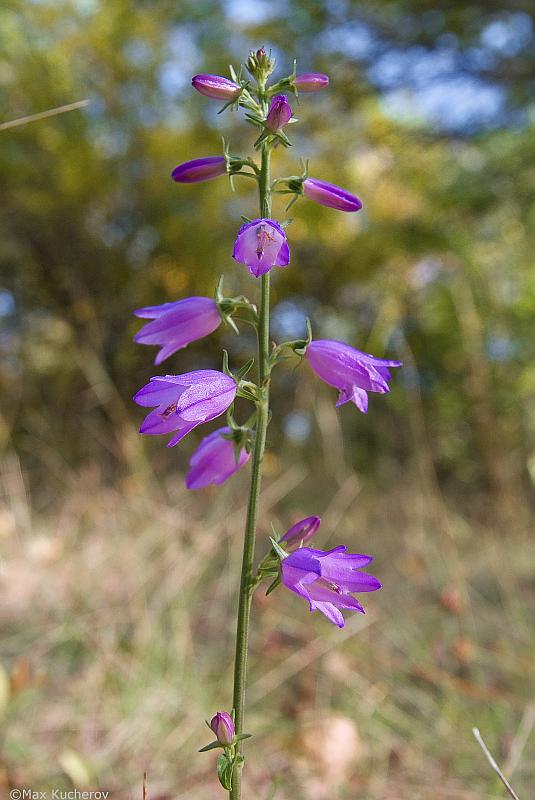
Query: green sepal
{"x": 225, "y": 367}
{"x": 273, "y": 586}
{"x": 278, "y": 549}
{"x": 225, "y": 768}
{"x": 211, "y": 746}
{"x": 243, "y": 371}
{"x": 245, "y": 219}
{"x": 242, "y": 736}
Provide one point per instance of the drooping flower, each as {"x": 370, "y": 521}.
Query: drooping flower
{"x": 261, "y": 244}
{"x": 327, "y": 194}
{"x": 327, "y": 580}
{"x": 222, "y": 725}
{"x": 200, "y": 169}
{"x": 279, "y": 113}
{"x": 214, "y": 461}
{"x": 311, "y": 82}
{"x": 301, "y": 532}
{"x": 184, "y": 401}
{"x": 350, "y": 371}
{"x": 216, "y": 86}
{"x": 175, "y": 325}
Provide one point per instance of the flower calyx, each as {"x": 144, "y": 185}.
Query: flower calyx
{"x": 229, "y": 306}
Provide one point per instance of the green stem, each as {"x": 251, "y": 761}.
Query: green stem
{"x": 247, "y": 578}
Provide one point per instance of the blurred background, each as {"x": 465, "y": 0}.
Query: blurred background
{"x": 119, "y": 587}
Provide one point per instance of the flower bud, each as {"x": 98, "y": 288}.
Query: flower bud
{"x": 200, "y": 169}
{"x": 311, "y": 82}
{"x": 215, "y": 86}
{"x": 302, "y": 531}
{"x": 279, "y": 113}
{"x": 327, "y": 194}
{"x": 260, "y": 64}
{"x": 222, "y": 725}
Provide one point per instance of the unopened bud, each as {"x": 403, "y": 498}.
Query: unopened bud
{"x": 222, "y": 725}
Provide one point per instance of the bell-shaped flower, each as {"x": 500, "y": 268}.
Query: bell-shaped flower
{"x": 200, "y": 169}
{"x": 261, "y": 245}
{"x": 279, "y": 113}
{"x": 328, "y": 579}
{"x": 301, "y": 532}
{"x": 327, "y": 194}
{"x": 214, "y": 460}
{"x": 216, "y": 87}
{"x": 175, "y": 325}
{"x": 311, "y": 82}
{"x": 350, "y": 371}
{"x": 184, "y": 401}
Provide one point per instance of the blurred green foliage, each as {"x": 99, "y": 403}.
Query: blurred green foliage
{"x": 429, "y": 118}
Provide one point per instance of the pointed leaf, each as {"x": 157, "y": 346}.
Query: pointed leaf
{"x": 243, "y": 736}
{"x": 211, "y": 746}
{"x": 273, "y": 586}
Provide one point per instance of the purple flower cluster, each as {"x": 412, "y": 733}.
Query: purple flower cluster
{"x": 327, "y": 580}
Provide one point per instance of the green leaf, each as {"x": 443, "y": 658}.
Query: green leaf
{"x": 225, "y": 768}
{"x": 211, "y": 746}
{"x": 243, "y": 736}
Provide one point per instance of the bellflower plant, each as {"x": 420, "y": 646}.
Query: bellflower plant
{"x": 327, "y": 580}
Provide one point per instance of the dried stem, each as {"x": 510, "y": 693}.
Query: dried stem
{"x": 493, "y": 764}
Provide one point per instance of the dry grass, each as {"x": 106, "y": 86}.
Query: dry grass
{"x": 118, "y": 627}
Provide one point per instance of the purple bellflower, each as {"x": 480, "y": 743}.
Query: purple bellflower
{"x": 279, "y": 113}
{"x": 301, "y": 532}
{"x": 200, "y": 169}
{"x": 311, "y": 82}
{"x": 216, "y": 87}
{"x": 184, "y": 401}
{"x": 222, "y": 725}
{"x": 214, "y": 461}
{"x": 327, "y": 579}
{"x": 327, "y": 194}
{"x": 261, "y": 244}
{"x": 351, "y": 372}
{"x": 175, "y": 325}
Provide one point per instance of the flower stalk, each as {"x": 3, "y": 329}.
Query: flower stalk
{"x": 247, "y": 580}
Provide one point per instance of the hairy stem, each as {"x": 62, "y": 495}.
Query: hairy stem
{"x": 247, "y": 579}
